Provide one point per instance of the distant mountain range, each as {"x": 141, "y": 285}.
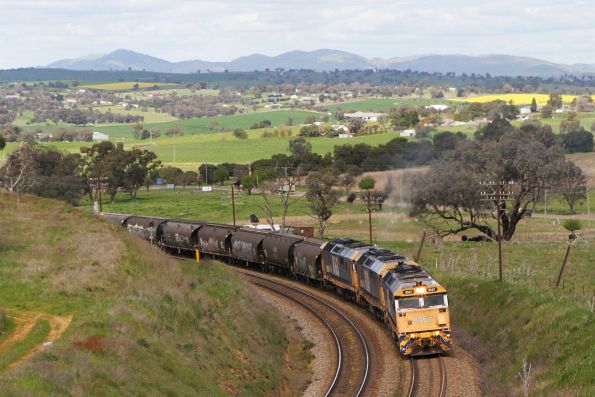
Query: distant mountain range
{"x": 328, "y": 60}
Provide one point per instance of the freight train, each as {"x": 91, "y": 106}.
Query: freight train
{"x": 413, "y": 305}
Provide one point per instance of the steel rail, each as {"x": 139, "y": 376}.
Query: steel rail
{"x": 339, "y": 312}
{"x": 412, "y": 383}
{"x": 414, "y": 380}
{"x": 328, "y": 326}
{"x": 442, "y": 377}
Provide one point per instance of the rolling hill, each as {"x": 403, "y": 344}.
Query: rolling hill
{"x": 328, "y": 60}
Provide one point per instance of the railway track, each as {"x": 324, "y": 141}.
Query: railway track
{"x": 427, "y": 377}
{"x": 352, "y": 352}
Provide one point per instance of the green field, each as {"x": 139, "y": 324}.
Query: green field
{"x": 188, "y": 126}
{"x": 381, "y": 105}
{"x": 177, "y": 91}
{"x": 150, "y": 117}
{"x": 191, "y": 203}
{"x": 124, "y": 85}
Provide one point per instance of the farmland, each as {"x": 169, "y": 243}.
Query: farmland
{"x": 517, "y": 99}
{"x": 150, "y": 116}
{"x": 176, "y": 91}
{"x": 120, "y": 86}
{"x": 382, "y": 105}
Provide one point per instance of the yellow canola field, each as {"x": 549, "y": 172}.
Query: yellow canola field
{"x": 517, "y": 99}
{"x": 124, "y": 85}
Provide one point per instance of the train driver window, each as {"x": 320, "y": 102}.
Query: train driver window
{"x": 408, "y": 303}
{"x": 434, "y": 300}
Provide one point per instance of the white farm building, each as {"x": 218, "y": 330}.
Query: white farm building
{"x": 365, "y": 116}
{"x": 100, "y": 136}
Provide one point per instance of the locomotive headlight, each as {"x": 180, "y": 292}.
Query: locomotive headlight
{"x": 420, "y": 290}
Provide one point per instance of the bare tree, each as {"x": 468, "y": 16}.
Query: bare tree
{"x": 266, "y": 188}
{"x": 18, "y": 171}
{"x": 322, "y": 198}
{"x": 283, "y": 186}
{"x": 572, "y": 183}
{"x": 347, "y": 180}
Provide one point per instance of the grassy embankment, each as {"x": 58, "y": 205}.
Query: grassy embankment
{"x": 526, "y": 318}
{"x": 144, "y": 324}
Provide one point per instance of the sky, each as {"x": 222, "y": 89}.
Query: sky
{"x": 37, "y": 32}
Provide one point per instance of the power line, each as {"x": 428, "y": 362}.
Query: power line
{"x": 498, "y": 193}
{"x": 97, "y": 185}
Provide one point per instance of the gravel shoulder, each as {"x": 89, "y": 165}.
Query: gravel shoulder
{"x": 314, "y": 333}
{"x": 386, "y": 364}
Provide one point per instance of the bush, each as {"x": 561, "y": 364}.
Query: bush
{"x": 572, "y": 225}
{"x": 310, "y": 131}
{"x": 240, "y": 133}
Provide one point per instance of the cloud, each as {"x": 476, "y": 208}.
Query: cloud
{"x": 36, "y": 32}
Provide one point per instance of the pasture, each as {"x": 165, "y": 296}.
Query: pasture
{"x": 215, "y": 206}
{"x": 122, "y": 85}
{"x": 382, "y": 105}
{"x": 201, "y": 125}
{"x": 151, "y": 116}
{"x": 180, "y": 92}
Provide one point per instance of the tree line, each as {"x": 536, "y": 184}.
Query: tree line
{"x": 36, "y": 169}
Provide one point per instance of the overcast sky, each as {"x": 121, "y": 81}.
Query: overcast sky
{"x": 36, "y": 32}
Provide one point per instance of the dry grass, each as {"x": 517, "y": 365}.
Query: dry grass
{"x": 587, "y": 162}
{"x": 144, "y": 324}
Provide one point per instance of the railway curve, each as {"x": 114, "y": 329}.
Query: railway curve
{"x": 353, "y": 356}
{"x": 427, "y": 377}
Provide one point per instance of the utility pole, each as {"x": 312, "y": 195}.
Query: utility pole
{"x": 571, "y": 240}
{"x": 545, "y": 204}
{"x": 370, "y": 202}
{"x": 401, "y": 188}
{"x": 498, "y": 193}
{"x": 233, "y": 204}
{"x": 97, "y": 185}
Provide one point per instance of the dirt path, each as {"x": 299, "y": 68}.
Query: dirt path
{"x": 24, "y": 323}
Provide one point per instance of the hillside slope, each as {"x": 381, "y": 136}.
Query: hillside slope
{"x": 329, "y": 60}
{"x": 505, "y": 324}
{"x": 142, "y": 323}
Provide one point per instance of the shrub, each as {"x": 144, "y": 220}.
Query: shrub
{"x": 572, "y": 225}
{"x": 240, "y": 133}
{"x": 310, "y": 131}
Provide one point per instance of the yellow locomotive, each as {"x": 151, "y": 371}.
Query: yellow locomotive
{"x": 411, "y": 302}
{"x": 417, "y": 310}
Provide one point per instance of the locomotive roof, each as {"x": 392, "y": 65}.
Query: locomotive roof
{"x": 346, "y": 247}
{"x": 407, "y": 275}
{"x": 380, "y": 260}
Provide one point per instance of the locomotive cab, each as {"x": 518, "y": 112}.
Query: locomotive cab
{"x": 423, "y": 322}
{"x": 417, "y": 310}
